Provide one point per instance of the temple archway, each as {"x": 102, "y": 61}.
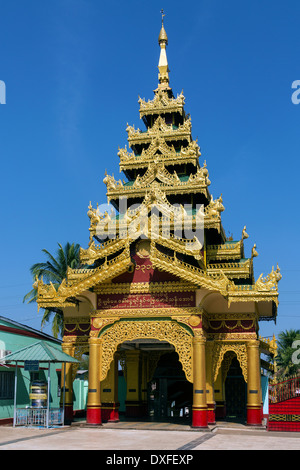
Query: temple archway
{"x": 178, "y": 335}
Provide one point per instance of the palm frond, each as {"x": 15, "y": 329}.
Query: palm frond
{"x": 54, "y": 270}
{"x": 30, "y": 296}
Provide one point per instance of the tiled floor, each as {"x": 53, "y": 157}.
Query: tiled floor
{"x": 138, "y": 436}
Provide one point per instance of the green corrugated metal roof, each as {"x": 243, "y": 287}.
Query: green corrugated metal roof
{"x": 40, "y": 351}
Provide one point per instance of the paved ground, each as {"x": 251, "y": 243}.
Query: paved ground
{"x": 146, "y": 436}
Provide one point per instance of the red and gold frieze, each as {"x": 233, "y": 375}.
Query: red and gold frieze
{"x": 227, "y": 326}
{"x": 77, "y": 327}
{"x": 147, "y": 300}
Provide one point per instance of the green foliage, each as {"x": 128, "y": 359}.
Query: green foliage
{"x": 285, "y": 359}
{"x": 54, "y": 270}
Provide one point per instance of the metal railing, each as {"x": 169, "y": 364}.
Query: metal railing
{"x": 285, "y": 390}
{"x": 39, "y": 417}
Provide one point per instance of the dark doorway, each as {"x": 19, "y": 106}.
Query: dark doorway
{"x": 235, "y": 393}
{"x": 169, "y": 393}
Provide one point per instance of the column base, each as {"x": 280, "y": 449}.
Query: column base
{"x": 254, "y": 417}
{"x": 93, "y": 416}
{"x": 211, "y": 415}
{"x": 199, "y": 418}
{"x": 110, "y": 412}
{"x": 68, "y": 414}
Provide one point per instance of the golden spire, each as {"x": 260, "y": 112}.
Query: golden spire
{"x": 163, "y": 67}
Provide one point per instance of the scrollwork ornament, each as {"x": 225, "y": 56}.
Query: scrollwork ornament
{"x": 219, "y": 351}
{"x": 162, "y": 330}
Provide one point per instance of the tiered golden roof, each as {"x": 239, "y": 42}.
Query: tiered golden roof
{"x": 163, "y": 169}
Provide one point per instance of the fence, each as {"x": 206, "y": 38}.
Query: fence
{"x": 284, "y": 390}
{"x": 284, "y": 405}
{"x": 38, "y": 417}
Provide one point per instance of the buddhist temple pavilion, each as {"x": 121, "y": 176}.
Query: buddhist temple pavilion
{"x": 162, "y": 295}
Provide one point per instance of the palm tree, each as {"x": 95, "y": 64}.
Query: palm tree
{"x": 286, "y": 348}
{"x": 54, "y": 270}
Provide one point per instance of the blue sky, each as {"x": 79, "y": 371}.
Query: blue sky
{"x": 73, "y": 71}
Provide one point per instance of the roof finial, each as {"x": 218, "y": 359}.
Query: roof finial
{"x": 162, "y": 35}
{"x": 163, "y": 67}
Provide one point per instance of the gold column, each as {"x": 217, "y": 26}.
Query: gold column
{"x": 219, "y": 390}
{"x": 199, "y": 384}
{"x": 93, "y": 403}
{"x": 133, "y": 402}
{"x": 67, "y": 377}
{"x": 144, "y": 381}
{"x": 109, "y": 393}
{"x": 210, "y": 399}
{"x": 254, "y": 384}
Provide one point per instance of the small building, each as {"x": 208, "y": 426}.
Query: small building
{"x": 13, "y": 337}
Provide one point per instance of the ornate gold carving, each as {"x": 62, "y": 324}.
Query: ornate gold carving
{"x": 162, "y": 330}
{"x": 107, "y": 248}
{"x": 181, "y": 245}
{"x": 218, "y": 282}
{"x": 161, "y": 104}
{"x": 214, "y": 208}
{"x": 148, "y": 312}
{"x": 48, "y": 295}
{"x": 157, "y": 175}
{"x": 142, "y": 248}
{"x": 240, "y": 270}
{"x": 144, "y": 287}
{"x": 228, "y": 250}
{"x": 168, "y": 131}
{"x": 232, "y": 336}
{"x": 111, "y": 183}
{"x": 194, "y": 320}
{"x": 270, "y": 282}
{"x": 98, "y": 322}
{"x": 159, "y": 150}
{"x": 228, "y": 356}
{"x": 219, "y": 351}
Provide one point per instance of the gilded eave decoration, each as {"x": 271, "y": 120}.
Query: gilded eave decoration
{"x": 107, "y": 248}
{"x": 162, "y": 104}
{"x": 169, "y": 132}
{"x": 79, "y": 280}
{"x": 226, "y": 251}
{"x": 158, "y": 175}
{"x": 159, "y": 150}
{"x": 241, "y": 270}
{"x": 172, "y": 217}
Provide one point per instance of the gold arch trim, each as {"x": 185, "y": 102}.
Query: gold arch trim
{"x": 219, "y": 352}
{"x": 170, "y": 331}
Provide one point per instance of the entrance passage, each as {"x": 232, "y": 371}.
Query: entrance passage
{"x": 169, "y": 393}
{"x": 152, "y": 384}
{"x": 235, "y": 393}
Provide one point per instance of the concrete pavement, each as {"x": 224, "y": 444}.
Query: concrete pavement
{"x": 140, "y": 436}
